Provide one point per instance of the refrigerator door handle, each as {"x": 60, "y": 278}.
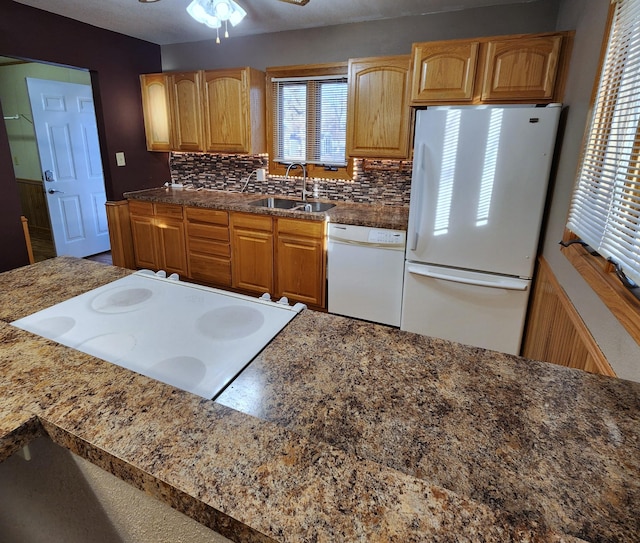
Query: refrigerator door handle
{"x": 418, "y": 206}
{"x": 505, "y": 283}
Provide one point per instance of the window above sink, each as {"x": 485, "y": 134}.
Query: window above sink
{"x": 307, "y": 119}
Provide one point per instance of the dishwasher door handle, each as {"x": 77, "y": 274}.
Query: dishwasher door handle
{"x": 354, "y": 243}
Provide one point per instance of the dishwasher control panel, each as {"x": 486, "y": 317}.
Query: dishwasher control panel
{"x": 385, "y": 236}
{"x": 367, "y": 236}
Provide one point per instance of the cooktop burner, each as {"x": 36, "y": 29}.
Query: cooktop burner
{"x": 120, "y": 300}
{"x": 193, "y": 337}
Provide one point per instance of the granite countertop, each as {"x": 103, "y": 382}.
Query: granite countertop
{"x": 340, "y": 430}
{"x": 377, "y": 216}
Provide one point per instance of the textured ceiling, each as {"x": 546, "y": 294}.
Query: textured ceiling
{"x": 166, "y": 21}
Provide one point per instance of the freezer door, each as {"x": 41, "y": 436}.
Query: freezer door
{"x": 483, "y": 310}
{"x": 479, "y": 186}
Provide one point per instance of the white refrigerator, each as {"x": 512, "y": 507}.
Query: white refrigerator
{"x": 478, "y": 192}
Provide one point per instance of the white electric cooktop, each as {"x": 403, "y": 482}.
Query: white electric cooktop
{"x": 192, "y": 337}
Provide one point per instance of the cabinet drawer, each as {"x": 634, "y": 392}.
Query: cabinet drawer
{"x": 171, "y": 211}
{"x": 205, "y": 246}
{"x": 213, "y": 216}
{"x": 208, "y": 231}
{"x": 252, "y": 221}
{"x": 137, "y": 207}
{"x": 211, "y": 269}
{"x": 314, "y": 229}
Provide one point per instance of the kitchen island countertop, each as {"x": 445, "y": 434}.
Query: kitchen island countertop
{"x": 340, "y": 430}
{"x": 373, "y": 215}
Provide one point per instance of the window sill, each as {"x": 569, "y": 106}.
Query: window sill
{"x": 599, "y": 274}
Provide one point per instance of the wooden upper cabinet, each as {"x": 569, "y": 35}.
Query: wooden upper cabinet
{"x": 157, "y": 113}
{"x": 216, "y": 111}
{"x": 234, "y": 110}
{"x": 186, "y": 108}
{"x": 523, "y": 68}
{"x": 378, "y": 113}
{"x": 443, "y": 71}
{"x": 527, "y": 68}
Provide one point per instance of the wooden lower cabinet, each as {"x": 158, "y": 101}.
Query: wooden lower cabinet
{"x": 208, "y": 248}
{"x": 248, "y": 252}
{"x": 281, "y": 256}
{"x": 143, "y": 233}
{"x": 159, "y": 237}
{"x": 252, "y": 252}
{"x": 300, "y": 261}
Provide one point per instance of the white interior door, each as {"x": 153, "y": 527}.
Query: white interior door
{"x": 67, "y": 138}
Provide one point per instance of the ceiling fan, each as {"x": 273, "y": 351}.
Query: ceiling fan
{"x": 296, "y": 2}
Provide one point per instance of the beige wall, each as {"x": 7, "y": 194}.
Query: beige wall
{"x": 15, "y": 101}
{"x": 588, "y": 18}
{"x": 372, "y": 38}
{"x": 60, "y": 497}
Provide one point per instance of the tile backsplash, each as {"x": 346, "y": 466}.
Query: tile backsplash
{"x": 376, "y": 182}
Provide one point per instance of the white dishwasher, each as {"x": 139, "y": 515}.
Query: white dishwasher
{"x": 365, "y": 270}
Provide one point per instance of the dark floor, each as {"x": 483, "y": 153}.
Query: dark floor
{"x": 44, "y": 249}
{"x": 105, "y": 257}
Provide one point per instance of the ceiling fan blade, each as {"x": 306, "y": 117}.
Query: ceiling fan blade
{"x": 296, "y": 2}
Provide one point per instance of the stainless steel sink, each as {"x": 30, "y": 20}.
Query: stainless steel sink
{"x": 313, "y": 207}
{"x": 276, "y": 203}
{"x": 293, "y": 205}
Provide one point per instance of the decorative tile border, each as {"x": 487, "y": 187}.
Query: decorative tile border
{"x": 386, "y": 184}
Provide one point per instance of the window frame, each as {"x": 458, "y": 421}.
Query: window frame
{"x": 597, "y": 271}
{"x": 310, "y": 70}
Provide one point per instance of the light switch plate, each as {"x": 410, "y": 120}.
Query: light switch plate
{"x": 120, "y": 159}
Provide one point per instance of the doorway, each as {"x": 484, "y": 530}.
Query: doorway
{"x": 29, "y": 171}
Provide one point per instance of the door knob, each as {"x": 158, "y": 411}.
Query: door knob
{"x": 52, "y": 191}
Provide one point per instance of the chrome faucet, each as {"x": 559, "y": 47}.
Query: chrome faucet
{"x": 304, "y": 178}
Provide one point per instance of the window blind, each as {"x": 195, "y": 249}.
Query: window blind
{"x": 605, "y": 207}
{"x": 310, "y": 119}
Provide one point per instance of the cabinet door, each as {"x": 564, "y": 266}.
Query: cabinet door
{"x": 172, "y": 246}
{"x": 144, "y": 242}
{"x": 226, "y": 111}
{"x": 521, "y": 68}
{"x": 170, "y": 237}
{"x": 252, "y": 253}
{"x": 186, "y": 106}
{"x": 378, "y": 114}
{"x": 300, "y": 261}
{"x": 443, "y": 71}
{"x": 157, "y": 114}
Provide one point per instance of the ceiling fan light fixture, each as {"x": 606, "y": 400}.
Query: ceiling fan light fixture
{"x": 214, "y": 12}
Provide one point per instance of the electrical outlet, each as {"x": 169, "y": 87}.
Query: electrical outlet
{"x": 261, "y": 174}
{"x": 120, "y": 159}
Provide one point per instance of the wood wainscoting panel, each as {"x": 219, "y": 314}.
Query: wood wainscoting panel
{"x": 120, "y": 234}
{"x": 34, "y": 208}
{"x": 555, "y": 331}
